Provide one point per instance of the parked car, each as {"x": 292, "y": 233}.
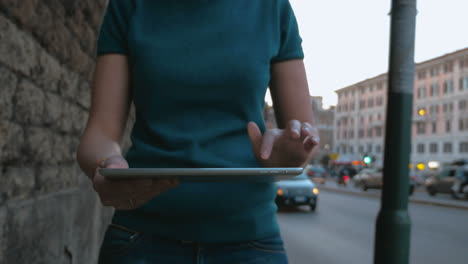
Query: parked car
{"x": 299, "y": 190}
{"x": 371, "y": 178}
{"x": 443, "y": 181}
{"x": 317, "y": 174}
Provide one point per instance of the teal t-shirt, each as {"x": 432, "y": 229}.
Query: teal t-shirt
{"x": 199, "y": 73}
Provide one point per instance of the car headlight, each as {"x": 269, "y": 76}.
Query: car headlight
{"x": 315, "y": 191}
{"x": 280, "y": 192}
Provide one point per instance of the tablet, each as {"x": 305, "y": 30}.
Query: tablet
{"x": 203, "y": 174}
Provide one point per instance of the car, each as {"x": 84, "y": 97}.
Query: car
{"x": 317, "y": 174}
{"x": 362, "y": 176}
{"x": 443, "y": 181}
{"x": 371, "y": 178}
{"x": 299, "y": 190}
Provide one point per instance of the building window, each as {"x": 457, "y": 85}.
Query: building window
{"x": 463, "y": 83}
{"x": 448, "y": 86}
{"x": 345, "y": 134}
{"x": 422, "y": 91}
{"x": 434, "y": 127}
{"x": 447, "y": 147}
{"x": 434, "y": 71}
{"x": 448, "y": 67}
{"x": 434, "y": 109}
{"x": 421, "y": 128}
{"x": 448, "y": 126}
{"x": 421, "y": 74}
{"x": 378, "y": 131}
{"x": 370, "y": 102}
{"x": 369, "y": 133}
{"x": 369, "y": 148}
{"x": 420, "y": 148}
{"x": 351, "y": 134}
{"x": 462, "y": 105}
{"x": 351, "y": 106}
{"x": 351, "y": 149}
{"x": 463, "y": 147}
{"x": 379, "y": 100}
{"x": 378, "y": 149}
{"x": 433, "y": 148}
{"x": 362, "y": 104}
{"x": 370, "y": 118}
{"x": 361, "y": 149}
{"x": 435, "y": 89}
{"x": 361, "y": 133}
{"x": 379, "y": 116}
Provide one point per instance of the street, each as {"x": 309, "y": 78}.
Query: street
{"x": 342, "y": 231}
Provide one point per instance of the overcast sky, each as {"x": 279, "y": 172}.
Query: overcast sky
{"x": 347, "y": 41}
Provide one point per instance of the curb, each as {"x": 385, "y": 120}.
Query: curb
{"x": 412, "y": 200}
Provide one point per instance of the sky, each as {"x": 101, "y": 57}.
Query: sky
{"x": 348, "y": 41}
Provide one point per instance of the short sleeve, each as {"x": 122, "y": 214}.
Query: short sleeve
{"x": 113, "y": 34}
{"x": 290, "y": 39}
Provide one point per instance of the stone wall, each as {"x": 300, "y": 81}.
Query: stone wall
{"x": 48, "y": 211}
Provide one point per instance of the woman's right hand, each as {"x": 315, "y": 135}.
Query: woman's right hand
{"x": 127, "y": 194}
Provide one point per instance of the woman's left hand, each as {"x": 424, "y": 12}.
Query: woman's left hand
{"x": 289, "y": 147}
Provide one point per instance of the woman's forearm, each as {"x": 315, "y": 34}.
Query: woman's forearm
{"x": 95, "y": 146}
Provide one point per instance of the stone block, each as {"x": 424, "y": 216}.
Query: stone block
{"x": 53, "y": 107}
{"x": 12, "y": 142}
{"x": 17, "y": 182}
{"x": 47, "y": 74}
{"x": 8, "y": 82}
{"x": 17, "y": 49}
{"x": 63, "y": 149}
{"x": 39, "y": 145}
{"x": 69, "y": 84}
{"x": 29, "y": 104}
{"x": 84, "y": 95}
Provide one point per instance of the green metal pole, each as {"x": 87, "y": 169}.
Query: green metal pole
{"x": 393, "y": 225}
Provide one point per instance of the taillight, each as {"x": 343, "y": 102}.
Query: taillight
{"x": 310, "y": 173}
{"x": 346, "y": 178}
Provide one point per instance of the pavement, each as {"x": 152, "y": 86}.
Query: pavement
{"x": 420, "y": 196}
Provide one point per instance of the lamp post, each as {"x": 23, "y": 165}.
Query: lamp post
{"x": 393, "y": 225}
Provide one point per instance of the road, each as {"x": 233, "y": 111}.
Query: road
{"x": 342, "y": 232}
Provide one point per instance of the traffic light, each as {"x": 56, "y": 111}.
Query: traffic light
{"x": 367, "y": 159}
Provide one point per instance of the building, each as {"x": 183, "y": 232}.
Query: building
{"x": 439, "y": 121}
{"x": 324, "y": 119}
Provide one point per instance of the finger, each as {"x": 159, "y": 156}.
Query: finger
{"x": 269, "y": 139}
{"x": 306, "y": 131}
{"x": 294, "y": 129}
{"x": 255, "y": 136}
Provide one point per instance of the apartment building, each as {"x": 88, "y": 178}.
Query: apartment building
{"x": 440, "y": 114}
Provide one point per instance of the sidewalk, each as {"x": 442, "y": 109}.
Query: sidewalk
{"x": 420, "y": 196}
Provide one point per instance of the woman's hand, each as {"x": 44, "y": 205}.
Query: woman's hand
{"x": 127, "y": 194}
{"x": 289, "y": 147}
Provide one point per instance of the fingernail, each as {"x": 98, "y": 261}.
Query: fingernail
{"x": 265, "y": 155}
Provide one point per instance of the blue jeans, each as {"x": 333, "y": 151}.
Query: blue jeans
{"x": 125, "y": 246}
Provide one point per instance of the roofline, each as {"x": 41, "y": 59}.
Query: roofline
{"x": 417, "y": 65}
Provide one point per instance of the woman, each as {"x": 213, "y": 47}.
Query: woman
{"x": 197, "y": 72}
